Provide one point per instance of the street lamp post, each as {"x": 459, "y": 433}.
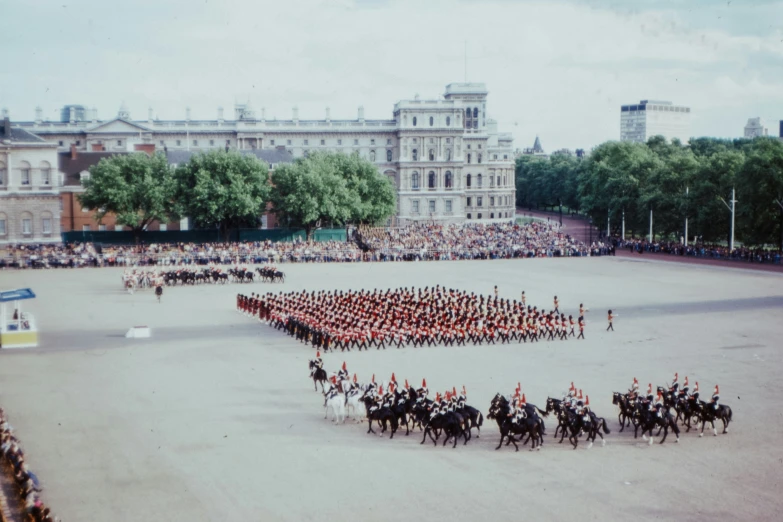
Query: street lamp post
{"x": 608, "y": 230}
{"x": 591, "y": 231}
{"x": 651, "y": 224}
{"x": 731, "y": 209}
{"x": 623, "y": 224}
{"x": 560, "y": 202}
{"x": 686, "y": 216}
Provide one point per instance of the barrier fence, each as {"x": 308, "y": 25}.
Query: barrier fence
{"x": 200, "y": 236}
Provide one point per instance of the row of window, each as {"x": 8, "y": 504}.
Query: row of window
{"x": 26, "y": 224}
{"x": 430, "y": 154}
{"x": 502, "y": 200}
{"x": 432, "y": 180}
{"x": 432, "y": 121}
{"x": 26, "y": 174}
{"x": 491, "y": 215}
{"x": 480, "y": 181}
{"x": 431, "y": 206}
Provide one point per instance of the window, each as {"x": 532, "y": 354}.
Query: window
{"x": 163, "y": 227}
{"x": 78, "y": 142}
{"x": 448, "y": 154}
{"x": 179, "y": 143}
{"x": 372, "y": 156}
{"x": 475, "y": 124}
{"x": 492, "y": 201}
{"x": 62, "y": 205}
{"x": 339, "y": 142}
{"x": 494, "y": 156}
{"x": 85, "y": 228}
{"x": 448, "y": 121}
{"x": 468, "y": 146}
{"x": 448, "y": 180}
{"x": 414, "y": 121}
{"x": 478, "y": 216}
{"x": 491, "y": 181}
{"x": 323, "y": 142}
{"x": 499, "y": 181}
{"x": 479, "y": 202}
{"x": 388, "y": 155}
{"x": 307, "y": 142}
{"x": 479, "y": 146}
{"x": 27, "y": 226}
{"x": 432, "y": 206}
{"x": 432, "y": 155}
{"x": 492, "y": 216}
{"x": 228, "y": 142}
{"x": 478, "y": 181}
{"x": 432, "y": 121}
{"x": 118, "y": 228}
{"x": 101, "y": 228}
{"x": 288, "y": 142}
{"x": 415, "y": 181}
{"x": 469, "y": 201}
{"x": 355, "y": 142}
{"x": 415, "y": 155}
{"x": 272, "y": 142}
{"x": 431, "y": 180}
{"x": 468, "y": 158}
{"x": 448, "y": 140}
{"x": 211, "y": 142}
{"x": 60, "y": 143}
{"x": 415, "y": 140}
{"x": 388, "y": 141}
{"x": 25, "y": 176}
{"x": 448, "y": 205}
{"x": 415, "y": 207}
{"x": 46, "y": 176}
{"x": 3, "y": 231}
{"x": 467, "y": 180}
{"x": 475, "y": 112}
{"x": 478, "y": 156}
{"x": 372, "y": 142}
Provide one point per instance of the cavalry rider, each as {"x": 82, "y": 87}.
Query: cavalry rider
{"x": 423, "y": 391}
{"x": 518, "y": 410}
{"x": 695, "y": 394}
{"x": 634, "y": 391}
{"x": 674, "y": 386}
{"x": 586, "y": 407}
{"x": 343, "y": 375}
{"x": 318, "y": 363}
{"x": 684, "y": 390}
{"x": 658, "y": 404}
{"x": 715, "y": 397}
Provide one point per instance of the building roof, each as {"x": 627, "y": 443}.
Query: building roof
{"x": 537, "y": 148}
{"x": 16, "y": 134}
{"x": 270, "y": 156}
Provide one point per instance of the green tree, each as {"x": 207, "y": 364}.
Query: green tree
{"x": 136, "y": 188}
{"x": 376, "y": 194}
{"x": 223, "y": 190}
{"x": 760, "y": 193}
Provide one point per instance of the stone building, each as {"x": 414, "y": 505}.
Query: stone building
{"x": 29, "y": 183}
{"x": 446, "y": 157}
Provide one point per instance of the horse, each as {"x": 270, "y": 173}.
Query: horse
{"x": 521, "y": 425}
{"x": 159, "y": 292}
{"x": 625, "y": 416}
{"x": 708, "y": 413}
{"x": 318, "y": 375}
{"x": 661, "y": 418}
{"x": 334, "y": 402}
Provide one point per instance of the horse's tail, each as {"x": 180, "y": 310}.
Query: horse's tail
{"x": 729, "y": 413}
{"x": 480, "y": 421}
{"x": 543, "y": 426}
{"x": 542, "y": 413}
{"x": 673, "y": 426}
{"x": 606, "y": 428}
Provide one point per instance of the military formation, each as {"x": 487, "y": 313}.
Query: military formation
{"x": 331, "y": 320}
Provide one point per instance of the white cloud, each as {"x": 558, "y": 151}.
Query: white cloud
{"x": 559, "y": 69}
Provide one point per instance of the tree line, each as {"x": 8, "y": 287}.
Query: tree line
{"x": 673, "y": 180}
{"x": 227, "y": 190}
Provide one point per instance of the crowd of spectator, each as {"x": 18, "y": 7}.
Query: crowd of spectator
{"x": 702, "y": 250}
{"x": 422, "y": 242}
{"x": 27, "y": 484}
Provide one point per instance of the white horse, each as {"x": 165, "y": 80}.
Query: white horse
{"x": 335, "y": 402}
{"x": 354, "y": 405}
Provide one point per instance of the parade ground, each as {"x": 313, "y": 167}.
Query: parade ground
{"x": 214, "y": 417}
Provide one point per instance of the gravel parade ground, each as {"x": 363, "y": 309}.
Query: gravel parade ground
{"x": 214, "y": 417}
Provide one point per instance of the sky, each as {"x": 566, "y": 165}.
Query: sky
{"x": 559, "y": 69}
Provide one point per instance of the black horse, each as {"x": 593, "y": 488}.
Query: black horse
{"x": 508, "y": 427}
{"x": 660, "y": 417}
{"x": 708, "y": 412}
{"x": 318, "y": 375}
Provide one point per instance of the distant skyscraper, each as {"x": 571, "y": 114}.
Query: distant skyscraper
{"x": 649, "y": 118}
{"x": 755, "y": 128}
{"x": 781, "y": 129}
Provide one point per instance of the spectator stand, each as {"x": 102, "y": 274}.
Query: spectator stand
{"x": 17, "y": 328}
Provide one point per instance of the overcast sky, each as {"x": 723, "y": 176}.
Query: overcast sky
{"x": 556, "y": 68}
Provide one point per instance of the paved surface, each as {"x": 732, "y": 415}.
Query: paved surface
{"x": 214, "y": 417}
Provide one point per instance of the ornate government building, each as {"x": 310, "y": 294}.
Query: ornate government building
{"x": 446, "y": 158}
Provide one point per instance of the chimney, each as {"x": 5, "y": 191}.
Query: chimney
{"x": 38, "y": 114}
{"x": 328, "y": 115}
{"x": 296, "y": 114}
{"x": 6, "y": 124}
{"x": 72, "y": 118}
{"x": 74, "y": 152}
{"x": 361, "y": 112}
{"x": 187, "y": 113}
{"x": 149, "y": 114}
{"x": 220, "y": 114}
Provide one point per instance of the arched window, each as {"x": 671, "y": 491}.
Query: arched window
{"x": 24, "y": 171}
{"x": 415, "y": 181}
{"x": 492, "y": 216}
{"x": 470, "y": 216}
{"x": 478, "y": 157}
{"x": 475, "y": 112}
{"x": 492, "y": 201}
{"x": 372, "y": 156}
{"x": 46, "y": 173}
{"x": 432, "y": 121}
{"x": 432, "y": 155}
{"x": 478, "y": 181}
{"x": 414, "y": 121}
{"x": 388, "y": 155}
{"x": 448, "y": 121}
{"x": 467, "y": 180}
{"x": 468, "y": 113}
{"x": 448, "y": 179}
{"x": 431, "y": 180}
{"x": 415, "y": 155}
